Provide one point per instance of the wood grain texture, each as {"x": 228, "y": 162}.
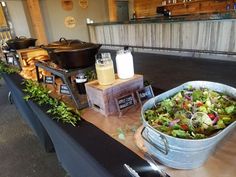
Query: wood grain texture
{"x": 3, "y": 22}
{"x": 147, "y": 9}
{"x": 197, "y": 35}
{"x": 112, "y": 10}
{"x": 37, "y": 21}
{"x": 102, "y": 98}
{"x": 198, "y": 6}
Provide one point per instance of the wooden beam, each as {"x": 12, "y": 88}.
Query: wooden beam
{"x": 3, "y": 22}
{"x": 112, "y": 10}
{"x": 37, "y": 21}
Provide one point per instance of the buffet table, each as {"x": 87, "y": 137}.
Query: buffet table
{"x": 93, "y": 148}
{"x": 84, "y": 150}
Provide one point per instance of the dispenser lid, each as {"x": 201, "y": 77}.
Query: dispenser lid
{"x": 103, "y": 58}
{"x": 125, "y": 50}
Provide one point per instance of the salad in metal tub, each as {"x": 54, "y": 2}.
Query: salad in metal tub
{"x": 182, "y": 126}
{"x": 192, "y": 113}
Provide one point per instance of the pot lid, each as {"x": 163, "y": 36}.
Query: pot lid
{"x": 64, "y": 45}
{"x": 20, "y": 39}
{"x": 81, "y": 45}
{"x": 63, "y": 42}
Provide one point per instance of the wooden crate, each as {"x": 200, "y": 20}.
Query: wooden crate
{"x": 25, "y": 54}
{"x": 102, "y": 98}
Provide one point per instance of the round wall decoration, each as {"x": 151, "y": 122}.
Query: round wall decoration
{"x": 70, "y": 22}
{"x": 83, "y": 3}
{"x": 67, "y": 4}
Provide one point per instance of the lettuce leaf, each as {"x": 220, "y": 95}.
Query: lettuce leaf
{"x": 229, "y": 109}
{"x": 197, "y": 95}
{"x": 167, "y": 104}
{"x": 180, "y": 133}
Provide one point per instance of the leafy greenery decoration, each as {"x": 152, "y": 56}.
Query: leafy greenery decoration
{"x": 58, "y": 109}
{"x": 4, "y": 68}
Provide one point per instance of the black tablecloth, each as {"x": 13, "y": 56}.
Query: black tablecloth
{"x": 14, "y": 83}
{"x": 85, "y": 150}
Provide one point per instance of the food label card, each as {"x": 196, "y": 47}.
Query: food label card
{"x": 125, "y": 102}
{"x": 49, "y": 79}
{"x": 10, "y": 60}
{"x": 145, "y": 94}
{"x": 64, "y": 89}
{"x": 15, "y": 63}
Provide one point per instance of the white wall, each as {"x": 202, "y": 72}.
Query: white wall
{"x": 18, "y": 18}
{"x": 54, "y": 16}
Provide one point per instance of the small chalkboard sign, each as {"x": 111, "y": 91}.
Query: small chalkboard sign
{"x": 10, "y": 60}
{"x": 15, "y": 63}
{"x": 145, "y": 93}
{"x": 125, "y": 102}
{"x": 49, "y": 79}
{"x": 64, "y": 89}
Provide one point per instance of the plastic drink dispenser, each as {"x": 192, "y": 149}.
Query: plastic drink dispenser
{"x": 104, "y": 69}
{"x": 124, "y": 64}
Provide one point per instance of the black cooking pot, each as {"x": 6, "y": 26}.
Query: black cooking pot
{"x": 72, "y": 54}
{"x": 21, "y": 43}
{"x": 61, "y": 42}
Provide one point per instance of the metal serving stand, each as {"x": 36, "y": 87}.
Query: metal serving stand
{"x": 65, "y": 75}
{"x": 12, "y": 58}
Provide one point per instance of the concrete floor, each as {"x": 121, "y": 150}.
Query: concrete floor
{"x": 21, "y": 155}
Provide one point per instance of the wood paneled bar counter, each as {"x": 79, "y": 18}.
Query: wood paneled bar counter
{"x": 206, "y": 33}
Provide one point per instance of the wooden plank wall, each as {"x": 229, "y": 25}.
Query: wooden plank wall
{"x": 148, "y": 8}
{"x": 198, "y": 6}
{"x": 196, "y": 35}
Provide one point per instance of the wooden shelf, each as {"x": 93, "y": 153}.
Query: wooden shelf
{"x": 197, "y": 7}
{"x": 182, "y": 3}
{"x": 144, "y": 9}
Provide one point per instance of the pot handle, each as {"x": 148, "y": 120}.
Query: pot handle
{"x": 63, "y": 39}
{"x": 21, "y": 37}
{"x": 165, "y": 142}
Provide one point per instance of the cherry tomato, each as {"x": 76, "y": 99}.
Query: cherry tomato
{"x": 212, "y": 116}
{"x": 184, "y": 126}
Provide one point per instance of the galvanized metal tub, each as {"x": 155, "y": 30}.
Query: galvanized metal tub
{"x": 183, "y": 153}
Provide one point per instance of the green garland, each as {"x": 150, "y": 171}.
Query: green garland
{"x": 40, "y": 94}
{"x": 58, "y": 109}
{"x": 7, "y": 69}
